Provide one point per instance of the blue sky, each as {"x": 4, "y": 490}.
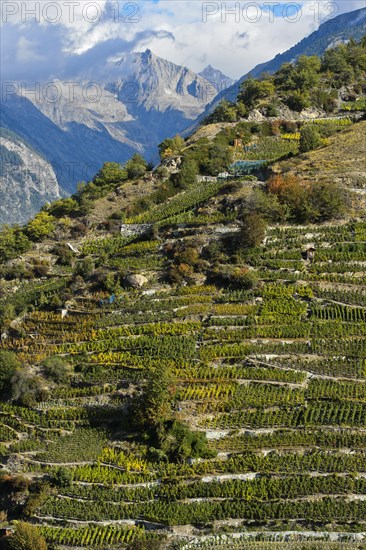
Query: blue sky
{"x": 40, "y": 43}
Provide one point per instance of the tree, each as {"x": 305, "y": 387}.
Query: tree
{"x": 42, "y": 225}
{"x": 187, "y": 174}
{"x": 26, "y": 388}
{"x": 178, "y": 442}
{"x": 243, "y": 277}
{"x": 309, "y": 138}
{"x": 57, "y": 368}
{"x": 110, "y": 173}
{"x": 63, "y": 477}
{"x": 266, "y": 205}
{"x": 252, "y": 231}
{"x": 63, "y": 207}
{"x": 85, "y": 268}
{"x": 297, "y": 100}
{"x": 7, "y": 314}
{"x": 64, "y": 254}
{"x": 9, "y": 363}
{"x": 283, "y": 78}
{"x": 218, "y": 159}
{"x": 154, "y": 406}
{"x": 13, "y": 242}
{"x": 171, "y": 146}
{"x": 224, "y": 112}
{"x": 327, "y": 201}
{"x": 136, "y": 167}
{"x": 253, "y": 90}
{"x": 307, "y": 72}
{"x": 27, "y": 537}
{"x": 293, "y": 193}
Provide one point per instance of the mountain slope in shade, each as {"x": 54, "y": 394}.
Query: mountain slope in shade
{"x": 332, "y": 32}
{"x": 138, "y": 101}
{"x": 27, "y": 180}
{"x": 74, "y": 149}
{"x": 216, "y": 78}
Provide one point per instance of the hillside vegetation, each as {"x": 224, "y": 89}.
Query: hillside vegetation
{"x": 182, "y": 356}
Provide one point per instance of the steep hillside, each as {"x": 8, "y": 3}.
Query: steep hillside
{"x": 27, "y": 180}
{"x": 342, "y": 162}
{"x": 182, "y": 355}
{"x": 338, "y": 30}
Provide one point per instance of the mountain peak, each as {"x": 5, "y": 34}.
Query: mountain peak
{"x": 147, "y": 53}
{"x": 218, "y": 79}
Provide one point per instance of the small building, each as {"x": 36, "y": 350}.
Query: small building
{"x": 238, "y": 143}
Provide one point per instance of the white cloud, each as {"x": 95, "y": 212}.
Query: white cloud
{"x": 174, "y": 29}
{"x": 27, "y": 51}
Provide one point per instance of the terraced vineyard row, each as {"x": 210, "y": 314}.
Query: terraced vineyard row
{"x": 275, "y": 377}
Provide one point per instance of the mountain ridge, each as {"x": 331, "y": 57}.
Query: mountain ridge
{"x": 138, "y": 101}
{"x": 342, "y": 27}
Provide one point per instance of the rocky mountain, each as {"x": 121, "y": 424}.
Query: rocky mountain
{"x": 27, "y": 180}
{"x": 109, "y": 112}
{"x": 330, "y": 33}
{"x": 123, "y": 104}
{"x": 216, "y": 78}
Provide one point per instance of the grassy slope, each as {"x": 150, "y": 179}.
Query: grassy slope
{"x": 343, "y": 161}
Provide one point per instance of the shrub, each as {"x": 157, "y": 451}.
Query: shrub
{"x": 297, "y": 101}
{"x": 42, "y": 225}
{"x": 85, "y": 268}
{"x": 187, "y": 175}
{"x": 177, "y": 274}
{"x": 27, "y": 537}
{"x": 271, "y": 110}
{"x": 55, "y": 302}
{"x": 253, "y": 231}
{"x": 9, "y": 364}
{"x": 13, "y": 242}
{"x": 309, "y": 138}
{"x": 27, "y": 388}
{"x": 63, "y": 477}
{"x": 136, "y": 167}
{"x": 40, "y": 268}
{"x": 57, "y": 368}
{"x": 15, "y": 271}
{"x": 65, "y": 256}
{"x": 111, "y": 173}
